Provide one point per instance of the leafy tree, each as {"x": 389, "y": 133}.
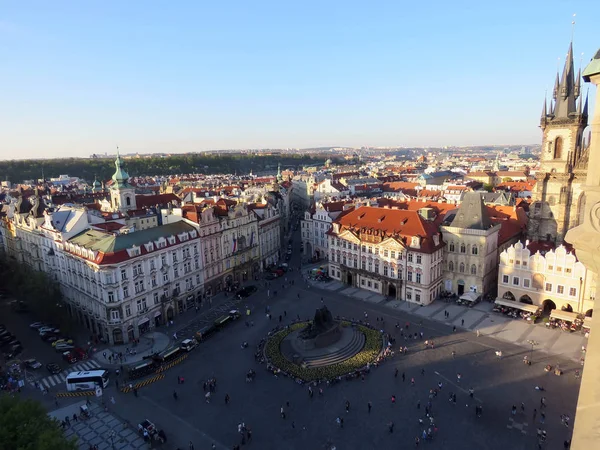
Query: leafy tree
{"x": 25, "y": 425}
{"x": 39, "y": 292}
{"x": 207, "y": 163}
{"x": 488, "y": 187}
{"x": 507, "y": 179}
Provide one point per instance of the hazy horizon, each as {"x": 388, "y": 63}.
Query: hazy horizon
{"x": 82, "y": 78}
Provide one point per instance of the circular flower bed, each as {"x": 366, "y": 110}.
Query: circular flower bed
{"x": 368, "y": 355}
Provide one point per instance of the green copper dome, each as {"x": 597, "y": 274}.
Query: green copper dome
{"x": 120, "y": 177}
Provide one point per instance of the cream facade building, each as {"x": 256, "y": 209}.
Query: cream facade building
{"x": 392, "y": 252}
{"x": 552, "y": 280}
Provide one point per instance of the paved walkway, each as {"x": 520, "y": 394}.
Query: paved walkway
{"x": 479, "y": 318}
{"x": 103, "y": 429}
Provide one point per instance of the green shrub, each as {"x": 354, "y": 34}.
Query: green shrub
{"x": 370, "y": 351}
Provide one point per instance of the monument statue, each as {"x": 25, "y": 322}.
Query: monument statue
{"x": 322, "y": 322}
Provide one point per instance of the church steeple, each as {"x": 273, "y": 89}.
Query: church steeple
{"x": 566, "y": 92}
{"x": 120, "y": 177}
{"x": 544, "y": 114}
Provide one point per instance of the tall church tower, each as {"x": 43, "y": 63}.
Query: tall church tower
{"x": 558, "y": 199}
{"x": 122, "y": 194}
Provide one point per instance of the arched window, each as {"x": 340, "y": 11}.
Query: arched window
{"x": 461, "y": 267}
{"x": 558, "y": 143}
{"x": 451, "y": 266}
{"x": 451, "y": 246}
{"x": 474, "y": 250}
{"x": 473, "y": 269}
{"x": 463, "y": 248}
{"x": 128, "y": 201}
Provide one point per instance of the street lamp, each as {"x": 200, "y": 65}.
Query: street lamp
{"x": 533, "y": 344}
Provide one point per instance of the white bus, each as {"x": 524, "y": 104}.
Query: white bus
{"x": 86, "y": 381}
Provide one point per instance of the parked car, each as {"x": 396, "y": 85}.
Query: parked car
{"x": 48, "y": 330}
{"x": 62, "y": 340}
{"x": 69, "y": 357}
{"x": 53, "y": 368}
{"x": 79, "y": 353}
{"x": 63, "y": 347}
{"x": 32, "y": 364}
{"x": 10, "y": 343}
{"x": 13, "y": 352}
{"x": 49, "y": 337}
{"x": 246, "y": 292}
{"x": 37, "y": 325}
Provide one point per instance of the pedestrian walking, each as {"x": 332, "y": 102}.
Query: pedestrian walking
{"x": 393, "y": 399}
{"x": 542, "y": 418}
{"x": 347, "y": 406}
{"x": 478, "y": 333}
{"x": 282, "y": 411}
{"x": 112, "y": 400}
{"x": 534, "y": 414}
{"x": 454, "y": 329}
{"x": 104, "y": 354}
{"x": 419, "y": 404}
{"x": 227, "y": 399}
{"x": 191, "y": 446}
{"x": 462, "y": 323}
{"x": 513, "y": 410}
{"x": 391, "y": 427}
{"x": 423, "y": 372}
{"x": 412, "y": 381}
{"x": 522, "y": 407}
{"x": 369, "y": 406}
{"x": 396, "y": 373}
{"x": 403, "y": 376}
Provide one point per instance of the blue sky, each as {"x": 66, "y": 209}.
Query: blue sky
{"x": 82, "y": 77}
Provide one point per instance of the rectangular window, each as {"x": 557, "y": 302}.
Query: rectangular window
{"x": 174, "y": 256}
{"x": 128, "y": 310}
{"x": 140, "y": 306}
{"x": 572, "y": 292}
{"x": 385, "y": 271}
{"x": 111, "y": 296}
{"x": 418, "y": 297}
{"x": 393, "y": 254}
{"x": 156, "y": 298}
{"x": 166, "y": 277}
{"x": 163, "y": 259}
{"x": 409, "y": 276}
{"x": 559, "y": 269}
{"x": 369, "y": 283}
{"x": 548, "y": 287}
{"x": 505, "y": 279}
{"x": 526, "y": 282}
{"x": 550, "y": 267}
{"x": 410, "y": 257}
{"x": 418, "y": 259}
{"x": 376, "y": 285}
{"x": 108, "y": 278}
{"x": 362, "y": 282}
{"x": 152, "y": 267}
{"x": 560, "y": 289}
{"x": 418, "y": 277}
{"x": 516, "y": 281}
{"x": 364, "y": 265}
{"x": 175, "y": 272}
{"x": 408, "y": 294}
{"x": 125, "y": 291}
{"x": 385, "y": 253}
{"x": 524, "y": 263}
{"x": 138, "y": 286}
{"x": 123, "y": 274}
{"x": 392, "y": 272}
{"x": 568, "y": 270}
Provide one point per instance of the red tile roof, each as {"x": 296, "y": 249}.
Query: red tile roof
{"x": 148, "y": 201}
{"x": 513, "y": 221}
{"x": 400, "y": 224}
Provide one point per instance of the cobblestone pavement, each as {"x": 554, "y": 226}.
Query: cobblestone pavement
{"x": 478, "y": 318}
{"x": 104, "y": 429}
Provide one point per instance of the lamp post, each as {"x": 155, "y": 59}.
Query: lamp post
{"x": 111, "y": 435}
{"x": 533, "y": 344}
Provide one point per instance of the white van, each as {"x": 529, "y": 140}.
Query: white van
{"x": 189, "y": 344}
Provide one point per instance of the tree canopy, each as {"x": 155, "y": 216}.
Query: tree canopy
{"x": 25, "y": 425}
{"x": 37, "y": 291}
{"x": 103, "y": 168}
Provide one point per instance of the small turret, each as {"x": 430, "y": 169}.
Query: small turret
{"x": 544, "y": 115}
{"x": 556, "y": 86}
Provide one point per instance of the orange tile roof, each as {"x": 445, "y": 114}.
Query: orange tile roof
{"x": 397, "y": 223}
{"x": 513, "y": 221}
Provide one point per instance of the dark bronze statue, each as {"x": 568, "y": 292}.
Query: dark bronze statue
{"x": 322, "y": 322}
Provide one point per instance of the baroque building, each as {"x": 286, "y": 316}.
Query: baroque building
{"x": 393, "y": 252}
{"x": 558, "y": 198}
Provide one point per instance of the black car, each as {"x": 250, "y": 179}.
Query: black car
{"x": 246, "y": 292}
{"x": 7, "y": 337}
{"x": 14, "y": 351}
{"x": 50, "y": 337}
{"x": 11, "y": 343}
{"x": 53, "y": 368}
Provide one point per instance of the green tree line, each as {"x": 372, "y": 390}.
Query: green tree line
{"x": 209, "y": 163}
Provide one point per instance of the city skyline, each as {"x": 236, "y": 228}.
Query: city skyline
{"x": 152, "y": 80}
